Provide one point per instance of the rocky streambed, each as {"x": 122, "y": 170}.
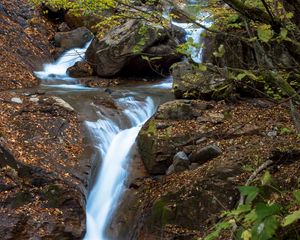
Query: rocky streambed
{"x": 184, "y": 170}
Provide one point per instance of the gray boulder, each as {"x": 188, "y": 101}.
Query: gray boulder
{"x": 122, "y": 47}
{"x": 205, "y": 154}
{"x": 180, "y": 163}
{"x": 76, "y": 38}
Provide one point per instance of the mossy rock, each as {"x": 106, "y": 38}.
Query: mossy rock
{"x": 54, "y": 195}
{"x": 20, "y": 199}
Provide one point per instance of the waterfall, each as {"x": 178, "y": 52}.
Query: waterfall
{"x": 114, "y": 145}
{"x": 57, "y": 71}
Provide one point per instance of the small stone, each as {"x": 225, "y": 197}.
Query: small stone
{"x": 205, "y": 154}
{"x": 34, "y": 99}
{"x": 62, "y": 103}
{"x": 180, "y": 163}
{"x": 201, "y": 140}
{"x": 16, "y": 100}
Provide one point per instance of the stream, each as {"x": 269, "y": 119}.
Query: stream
{"x": 113, "y": 134}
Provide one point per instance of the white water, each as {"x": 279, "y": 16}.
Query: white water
{"x": 112, "y": 141}
{"x": 114, "y": 145}
{"x": 57, "y": 71}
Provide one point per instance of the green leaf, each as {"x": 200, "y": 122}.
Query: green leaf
{"x": 244, "y": 208}
{"x": 251, "y": 217}
{"x": 266, "y": 229}
{"x": 221, "y": 51}
{"x": 246, "y": 235}
{"x": 250, "y": 192}
{"x": 283, "y": 33}
{"x": 155, "y": 58}
{"x": 240, "y": 76}
{"x": 265, "y": 210}
{"x": 218, "y": 228}
{"x": 265, "y": 32}
{"x": 289, "y": 219}
{"x": 266, "y": 179}
{"x": 297, "y": 195}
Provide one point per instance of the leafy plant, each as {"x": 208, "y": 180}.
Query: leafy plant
{"x": 261, "y": 216}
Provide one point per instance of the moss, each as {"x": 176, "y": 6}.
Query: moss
{"x": 161, "y": 213}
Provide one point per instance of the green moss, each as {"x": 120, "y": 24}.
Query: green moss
{"x": 162, "y": 214}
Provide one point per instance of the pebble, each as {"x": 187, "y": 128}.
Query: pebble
{"x": 16, "y": 100}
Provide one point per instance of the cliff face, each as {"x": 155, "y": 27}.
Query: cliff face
{"x": 24, "y": 44}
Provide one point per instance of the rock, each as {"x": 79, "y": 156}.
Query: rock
{"x": 158, "y": 143}
{"x": 75, "y": 20}
{"x": 191, "y": 83}
{"x": 201, "y": 140}
{"x": 194, "y": 166}
{"x": 155, "y": 150}
{"x": 34, "y": 99}
{"x": 50, "y": 182}
{"x": 175, "y": 110}
{"x": 73, "y": 39}
{"x": 212, "y": 117}
{"x": 120, "y": 49}
{"x": 180, "y": 163}
{"x": 188, "y": 206}
{"x": 205, "y": 154}
{"x": 62, "y": 103}
{"x": 63, "y": 27}
{"x": 17, "y": 100}
{"x": 80, "y": 69}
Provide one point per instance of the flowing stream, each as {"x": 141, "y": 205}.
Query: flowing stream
{"x": 113, "y": 137}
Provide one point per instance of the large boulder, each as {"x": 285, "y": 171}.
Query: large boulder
{"x": 205, "y": 154}
{"x": 73, "y": 39}
{"x": 122, "y": 49}
{"x": 158, "y": 141}
{"x": 191, "y": 83}
{"x": 80, "y": 69}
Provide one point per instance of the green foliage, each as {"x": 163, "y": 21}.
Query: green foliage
{"x": 261, "y": 217}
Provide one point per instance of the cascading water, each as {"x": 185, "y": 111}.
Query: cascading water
{"x": 57, "y": 71}
{"x": 115, "y": 152}
{"x": 113, "y": 139}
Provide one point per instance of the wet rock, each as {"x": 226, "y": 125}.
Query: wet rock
{"x": 73, "y": 39}
{"x": 80, "y": 69}
{"x": 205, "y": 154}
{"x": 120, "y": 49}
{"x": 180, "y": 163}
